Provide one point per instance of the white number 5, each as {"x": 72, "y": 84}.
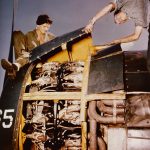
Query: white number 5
{"x": 8, "y": 117}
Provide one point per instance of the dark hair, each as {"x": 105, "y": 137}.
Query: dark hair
{"x": 117, "y": 11}
{"x": 43, "y": 19}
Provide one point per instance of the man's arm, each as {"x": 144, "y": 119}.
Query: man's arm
{"x": 130, "y": 38}
{"x": 111, "y": 6}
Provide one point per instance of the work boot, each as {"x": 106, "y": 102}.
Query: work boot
{"x": 10, "y": 68}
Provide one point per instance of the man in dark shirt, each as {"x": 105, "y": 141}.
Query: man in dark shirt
{"x": 136, "y": 10}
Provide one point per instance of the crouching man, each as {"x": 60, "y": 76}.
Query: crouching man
{"x": 23, "y": 44}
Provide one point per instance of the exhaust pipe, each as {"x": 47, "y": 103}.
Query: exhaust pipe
{"x": 93, "y": 135}
{"x": 105, "y": 120}
{"x": 109, "y": 110}
{"x": 101, "y": 144}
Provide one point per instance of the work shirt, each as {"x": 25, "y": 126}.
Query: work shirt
{"x": 32, "y": 39}
{"x": 137, "y": 10}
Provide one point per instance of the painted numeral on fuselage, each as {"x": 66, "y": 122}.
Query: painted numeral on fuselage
{"x": 7, "y": 118}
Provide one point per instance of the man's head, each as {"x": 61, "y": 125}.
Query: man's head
{"x": 43, "y": 23}
{"x": 120, "y": 17}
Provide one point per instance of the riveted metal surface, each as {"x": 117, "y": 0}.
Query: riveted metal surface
{"x": 135, "y": 61}
{"x": 137, "y": 77}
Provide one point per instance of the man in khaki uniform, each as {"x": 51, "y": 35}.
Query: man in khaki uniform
{"x": 39, "y": 35}
{"x": 23, "y": 45}
{"x": 18, "y": 43}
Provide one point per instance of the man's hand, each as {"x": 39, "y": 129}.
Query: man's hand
{"x": 89, "y": 27}
{"x": 110, "y": 7}
{"x": 25, "y": 54}
{"x": 113, "y": 43}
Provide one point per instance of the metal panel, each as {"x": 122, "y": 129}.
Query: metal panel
{"x": 135, "y": 61}
{"x": 8, "y": 109}
{"x": 138, "y": 139}
{"x": 117, "y": 139}
{"x": 106, "y": 73}
{"x": 51, "y": 46}
{"x": 137, "y": 81}
{"x": 137, "y": 77}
